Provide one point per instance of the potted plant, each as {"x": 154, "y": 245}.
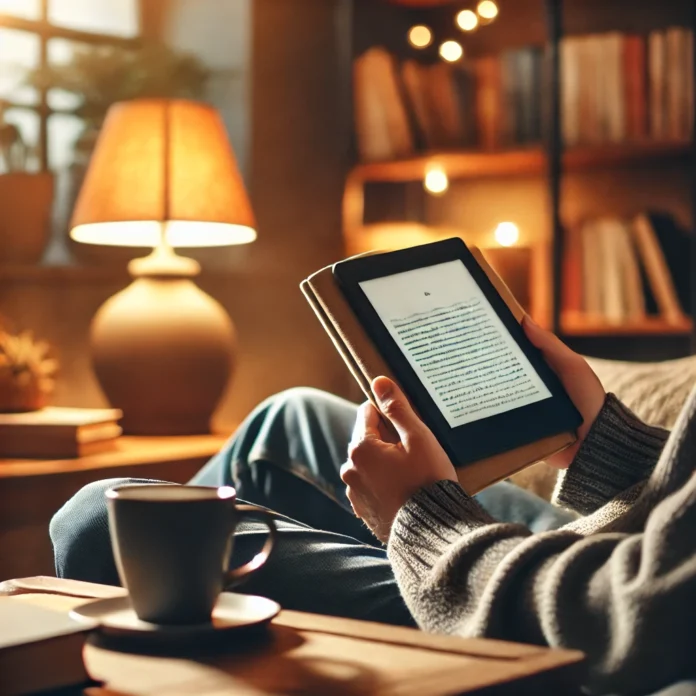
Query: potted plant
{"x": 99, "y": 76}
{"x": 25, "y": 199}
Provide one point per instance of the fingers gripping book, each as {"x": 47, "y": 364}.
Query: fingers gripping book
{"x": 348, "y": 330}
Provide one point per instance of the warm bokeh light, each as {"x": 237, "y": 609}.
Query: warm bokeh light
{"x": 507, "y": 234}
{"x": 178, "y": 233}
{"x": 467, "y": 20}
{"x": 487, "y": 10}
{"x": 436, "y": 181}
{"x": 420, "y": 36}
{"x": 451, "y": 51}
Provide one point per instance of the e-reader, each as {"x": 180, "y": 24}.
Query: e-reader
{"x": 457, "y": 350}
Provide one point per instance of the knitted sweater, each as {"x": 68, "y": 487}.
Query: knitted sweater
{"x": 618, "y": 584}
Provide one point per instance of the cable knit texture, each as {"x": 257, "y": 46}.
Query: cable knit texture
{"x": 618, "y": 584}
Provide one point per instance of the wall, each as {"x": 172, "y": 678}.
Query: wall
{"x": 289, "y": 124}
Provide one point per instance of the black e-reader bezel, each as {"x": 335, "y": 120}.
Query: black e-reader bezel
{"x": 477, "y": 440}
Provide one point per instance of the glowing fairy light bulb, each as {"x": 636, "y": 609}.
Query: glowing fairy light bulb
{"x": 487, "y": 10}
{"x": 467, "y": 20}
{"x": 451, "y": 51}
{"x": 436, "y": 180}
{"x": 420, "y": 36}
{"x": 507, "y": 234}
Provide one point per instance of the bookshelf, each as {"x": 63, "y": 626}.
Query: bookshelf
{"x": 546, "y": 23}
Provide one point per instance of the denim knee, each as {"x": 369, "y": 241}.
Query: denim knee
{"x": 301, "y": 398}
{"x": 79, "y": 533}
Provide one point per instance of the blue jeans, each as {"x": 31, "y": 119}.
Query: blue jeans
{"x": 286, "y": 457}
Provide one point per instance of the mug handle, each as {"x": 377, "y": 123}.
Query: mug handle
{"x": 234, "y": 577}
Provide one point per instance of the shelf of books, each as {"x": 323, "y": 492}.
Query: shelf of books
{"x": 626, "y": 278}
{"x": 624, "y": 98}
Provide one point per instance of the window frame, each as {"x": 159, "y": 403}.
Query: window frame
{"x": 46, "y": 31}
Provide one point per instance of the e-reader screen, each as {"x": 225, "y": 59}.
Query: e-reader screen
{"x": 455, "y": 342}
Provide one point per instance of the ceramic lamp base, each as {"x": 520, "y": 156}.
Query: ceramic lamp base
{"x": 163, "y": 352}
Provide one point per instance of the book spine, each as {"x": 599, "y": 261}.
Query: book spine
{"x": 524, "y": 59}
{"x": 635, "y": 87}
{"x": 488, "y": 78}
{"x": 657, "y": 270}
{"x": 570, "y": 90}
{"x": 656, "y": 71}
{"x": 510, "y": 99}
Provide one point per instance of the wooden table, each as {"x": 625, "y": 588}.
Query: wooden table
{"x": 31, "y": 491}
{"x": 312, "y": 654}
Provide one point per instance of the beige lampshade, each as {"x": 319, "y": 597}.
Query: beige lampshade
{"x": 163, "y": 166}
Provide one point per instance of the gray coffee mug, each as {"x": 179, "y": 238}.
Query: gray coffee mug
{"x": 172, "y": 545}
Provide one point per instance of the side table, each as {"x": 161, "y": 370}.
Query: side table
{"x": 32, "y": 490}
{"x": 314, "y": 655}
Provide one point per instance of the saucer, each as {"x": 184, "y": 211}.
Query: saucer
{"x": 232, "y": 612}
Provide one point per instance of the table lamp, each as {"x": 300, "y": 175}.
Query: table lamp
{"x": 163, "y": 175}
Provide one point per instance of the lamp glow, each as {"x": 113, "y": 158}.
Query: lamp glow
{"x": 420, "y": 36}
{"x": 451, "y": 51}
{"x": 507, "y": 234}
{"x": 487, "y": 10}
{"x": 467, "y": 20}
{"x": 163, "y": 176}
{"x": 436, "y": 180}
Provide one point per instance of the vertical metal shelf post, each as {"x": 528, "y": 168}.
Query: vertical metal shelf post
{"x": 554, "y": 150}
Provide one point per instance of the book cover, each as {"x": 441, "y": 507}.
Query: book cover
{"x": 57, "y": 433}
{"x": 40, "y": 649}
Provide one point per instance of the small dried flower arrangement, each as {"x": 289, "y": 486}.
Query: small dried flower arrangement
{"x": 26, "y": 372}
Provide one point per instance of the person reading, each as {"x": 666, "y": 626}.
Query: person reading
{"x": 617, "y": 582}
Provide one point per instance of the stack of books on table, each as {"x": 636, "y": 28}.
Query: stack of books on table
{"x": 58, "y": 433}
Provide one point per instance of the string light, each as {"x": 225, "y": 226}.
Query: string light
{"x": 436, "y": 180}
{"x": 451, "y": 51}
{"x": 487, "y": 10}
{"x": 507, "y": 234}
{"x": 420, "y": 36}
{"x": 467, "y": 20}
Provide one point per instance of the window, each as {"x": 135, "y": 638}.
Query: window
{"x": 40, "y": 33}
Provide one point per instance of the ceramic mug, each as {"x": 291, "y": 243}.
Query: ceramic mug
{"x": 172, "y": 545}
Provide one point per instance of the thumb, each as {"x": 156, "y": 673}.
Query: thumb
{"x": 396, "y": 407}
{"x": 560, "y": 358}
